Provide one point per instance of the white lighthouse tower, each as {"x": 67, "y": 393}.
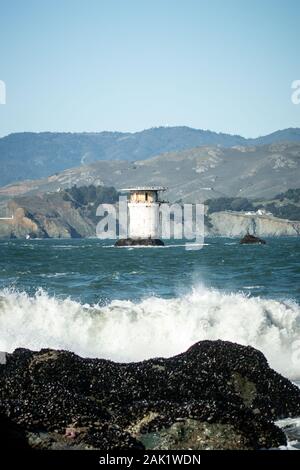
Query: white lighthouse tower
{"x": 144, "y": 216}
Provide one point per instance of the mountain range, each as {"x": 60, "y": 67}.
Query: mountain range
{"x": 192, "y": 175}
{"x": 38, "y": 155}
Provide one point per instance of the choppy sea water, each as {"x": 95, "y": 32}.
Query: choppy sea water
{"x": 129, "y": 304}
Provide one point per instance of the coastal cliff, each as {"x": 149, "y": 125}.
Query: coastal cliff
{"x": 67, "y": 221}
{"x": 71, "y": 213}
{"x": 236, "y": 224}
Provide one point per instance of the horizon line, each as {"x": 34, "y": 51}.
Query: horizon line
{"x": 148, "y": 129}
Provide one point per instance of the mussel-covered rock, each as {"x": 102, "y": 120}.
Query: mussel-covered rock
{"x": 12, "y": 436}
{"x": 216, "y": 395}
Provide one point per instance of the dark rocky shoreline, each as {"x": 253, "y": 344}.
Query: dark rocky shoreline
{"x": 216, "y": 395}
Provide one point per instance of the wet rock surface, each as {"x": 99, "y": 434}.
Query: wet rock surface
{"x": 12, "y": 436}
{"x": 139, "y": 242}
{"x": 216, "y": 395}
{"x": 250, "y": 239}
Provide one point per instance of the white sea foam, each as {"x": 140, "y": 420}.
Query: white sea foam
{"x": 291, "y": 427}
{"x": 161, "y": 247}
{"x": 128, "y": 331}
{"x": 251, "y": 287}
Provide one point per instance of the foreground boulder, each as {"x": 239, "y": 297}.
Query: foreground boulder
{"x": 216, "y": 395}
{"x": 250, "y": 239}
{"x": 12, "y": 436}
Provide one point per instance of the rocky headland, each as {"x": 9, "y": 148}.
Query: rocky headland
{"x": 72, "y": 213}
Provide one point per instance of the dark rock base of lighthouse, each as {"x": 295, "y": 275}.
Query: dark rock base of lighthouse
{"x": 139, "y": 242}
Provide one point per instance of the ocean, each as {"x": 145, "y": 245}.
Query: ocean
{"x": 129, "y": 304}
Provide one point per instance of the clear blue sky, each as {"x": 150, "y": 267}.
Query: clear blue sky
{"x": 93, "y": 65}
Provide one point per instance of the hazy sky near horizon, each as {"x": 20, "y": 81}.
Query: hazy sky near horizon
{"x": 95, "y": 65}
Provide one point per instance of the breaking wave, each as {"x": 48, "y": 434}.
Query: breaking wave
{"x": 128, "y": 331}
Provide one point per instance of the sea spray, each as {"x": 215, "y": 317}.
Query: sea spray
{"x": 127, "y": 331}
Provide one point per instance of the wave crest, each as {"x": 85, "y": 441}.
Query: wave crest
{"x": 127, "y": 331}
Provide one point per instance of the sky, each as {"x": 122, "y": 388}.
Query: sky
{"x": 127, "y": 65}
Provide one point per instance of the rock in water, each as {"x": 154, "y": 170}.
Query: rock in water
{"x": 216, "y": 395}
{"x": 249, "y": 239}
{"x": 139, "y": 242}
